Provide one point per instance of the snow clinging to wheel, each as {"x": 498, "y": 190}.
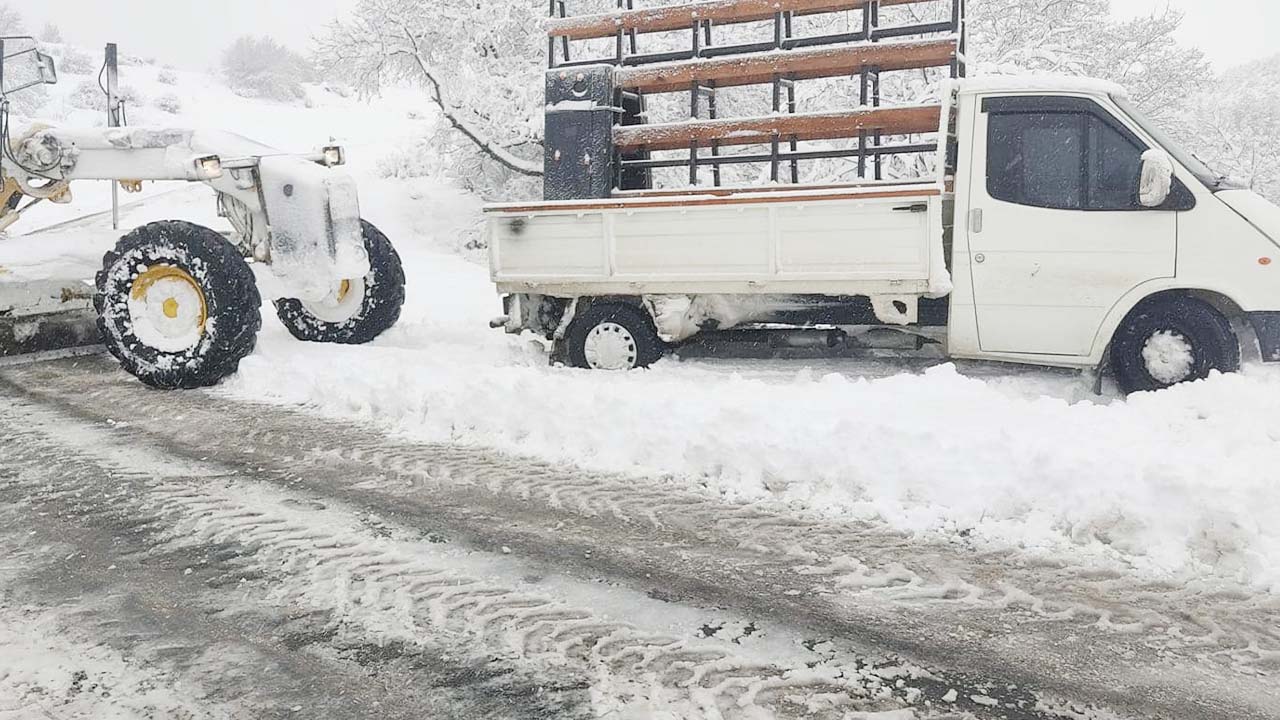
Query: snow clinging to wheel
{"x": 1169, "y": 357}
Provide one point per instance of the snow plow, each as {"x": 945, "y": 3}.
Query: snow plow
{"x": 177, "y": 303}
{"x": 1054, "y": 224}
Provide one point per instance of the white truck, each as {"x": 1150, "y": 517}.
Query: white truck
{"x": 1068, "y": 231}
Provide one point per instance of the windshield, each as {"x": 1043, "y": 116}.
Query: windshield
{"x": 1211, "y": 178}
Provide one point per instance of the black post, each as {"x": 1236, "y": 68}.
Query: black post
{"x": 791, "y": 109}
{"x": 551, "y": 40}
{"x": 713, "y": 113}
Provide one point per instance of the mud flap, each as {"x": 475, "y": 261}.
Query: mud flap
{"x": 1267, "y": 327}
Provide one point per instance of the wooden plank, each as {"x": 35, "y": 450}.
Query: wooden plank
{"x": 795, "y": 64}
{"x": 680, "y": 17}
{"x": 762, "y": 130}
{"x": 799, "y": 194}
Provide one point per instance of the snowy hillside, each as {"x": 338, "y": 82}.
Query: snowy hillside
{"x": 1173, "y": 484}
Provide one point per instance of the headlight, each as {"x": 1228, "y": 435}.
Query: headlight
{"x": 334, "y": 155}
{"x": 209, "y": 167}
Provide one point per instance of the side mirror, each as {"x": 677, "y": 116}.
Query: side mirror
{"x": 1157, "y": 178}
{"x": 48, "y": 71}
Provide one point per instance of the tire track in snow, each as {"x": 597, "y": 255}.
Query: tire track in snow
{"x": 1203, "y": 622}
{"x": 310, "y": 558}
{"x": 87, "y": 540}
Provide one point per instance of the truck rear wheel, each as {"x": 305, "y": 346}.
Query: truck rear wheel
{"x": 1169, "y": 341}
{"x": 177, "y": 305}
{"x": 361, "y": 309}
{"x": 613, "y": 336}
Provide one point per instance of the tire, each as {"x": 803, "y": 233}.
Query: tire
{"x": 613, "y": 336}
{"x": 368, "y": 306}
{"x": 1168, "y": 341}
{"x": 177, "y": 305}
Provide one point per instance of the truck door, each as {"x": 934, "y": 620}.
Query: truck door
{"x": 1056, "y": 233}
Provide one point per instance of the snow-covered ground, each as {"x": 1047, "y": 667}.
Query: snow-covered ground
{"x": 1177, "y": 484}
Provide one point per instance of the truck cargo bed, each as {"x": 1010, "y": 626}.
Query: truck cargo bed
{"x": 879, "y": 239}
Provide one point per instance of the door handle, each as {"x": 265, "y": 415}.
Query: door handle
{"x": 975, "y": 221}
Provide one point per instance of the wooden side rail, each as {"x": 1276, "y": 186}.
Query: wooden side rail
{"x": 682, "y": 17}
{"x": 762, "y": 68}
{"x": 762, "y": 130}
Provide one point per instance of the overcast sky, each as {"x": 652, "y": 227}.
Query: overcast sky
{"x": 190, "y": 33}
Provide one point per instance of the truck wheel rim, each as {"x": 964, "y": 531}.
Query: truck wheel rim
{"x": 167, "y": 308}
{"x": 343, "y": 303}
{"x": 1169, "y": 357}
{"x": 609, "y": 346}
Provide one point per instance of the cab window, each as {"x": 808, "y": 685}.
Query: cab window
{"x": 1060, "y": 153}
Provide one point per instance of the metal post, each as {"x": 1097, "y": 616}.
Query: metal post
{"x": 713, "y": 113}
{"x": 112, "y": 78}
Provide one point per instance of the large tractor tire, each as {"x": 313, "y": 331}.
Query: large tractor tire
{"x": 177, "y": 305}
{"x": 361, "y": 309}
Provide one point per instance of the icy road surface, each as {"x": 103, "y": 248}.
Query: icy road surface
{"x": 187, "y": 555}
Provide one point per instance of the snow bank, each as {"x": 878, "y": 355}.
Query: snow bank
{"x": 1175, "y": 482}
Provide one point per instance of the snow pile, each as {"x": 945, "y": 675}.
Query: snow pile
{"x": 1175, "y": 482}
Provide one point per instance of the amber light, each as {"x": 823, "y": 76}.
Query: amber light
{"x": 1264, "y": 261}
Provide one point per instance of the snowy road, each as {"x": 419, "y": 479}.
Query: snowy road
{"x": 187, "y": 555}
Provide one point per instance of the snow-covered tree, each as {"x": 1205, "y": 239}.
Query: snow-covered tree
{"x": 480, "y": 62}
{"x": 11, "y": 21}
{"x": 1078, "y": 37}
{"x": 262, "y": 67}
{"x": 1234, "y": 125}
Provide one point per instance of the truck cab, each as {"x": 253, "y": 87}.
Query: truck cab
{"x": 1063, "y": 254}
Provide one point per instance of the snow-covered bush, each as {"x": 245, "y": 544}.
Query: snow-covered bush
{"x": 87, "y": 95}
{"x": 263, "y": 68}
{"x": 131, "y": 97}
{"x": 75, "y": 61}
{"x": 169, "y": 103}
{"x": 50, "y": 33}
{"x": 11, "y": 21}
{"x": 29, "y": 102}
{"x": 167, "y": 77}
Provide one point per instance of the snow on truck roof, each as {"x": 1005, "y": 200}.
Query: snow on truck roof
{"x": 1046, "y": 83}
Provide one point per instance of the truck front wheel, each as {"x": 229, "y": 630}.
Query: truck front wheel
{"x": 360, "y": 309}
{"x": 1173, "y": 340}
{"x": 177, "y": 305}
{"x": 613, "y": 336}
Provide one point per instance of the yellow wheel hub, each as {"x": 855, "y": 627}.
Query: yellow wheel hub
{"x": 343, "y": 289}
{"x": 170, "y": 300}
